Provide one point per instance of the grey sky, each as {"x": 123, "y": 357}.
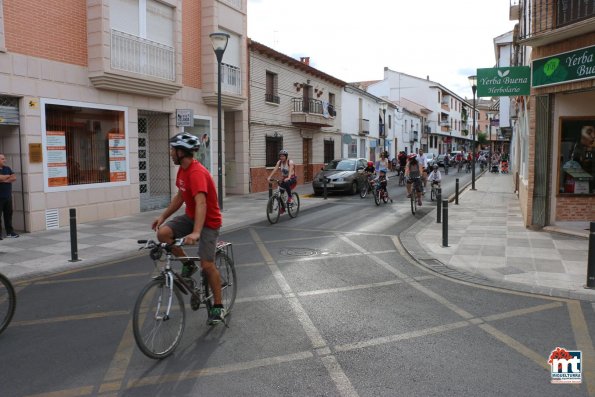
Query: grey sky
{"x": 446, "y": 40}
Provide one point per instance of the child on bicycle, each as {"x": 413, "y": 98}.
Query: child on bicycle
{"x": 435, "y": 177}
{"x": 382, "y": 181}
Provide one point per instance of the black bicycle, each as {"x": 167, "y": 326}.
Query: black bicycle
{"x": 277, "y": 204}
{"x": 8, "y": 302}
{"x": 159, "y": 314}
{"x": 367, "y": 187}
{"x": 415, "y": 188}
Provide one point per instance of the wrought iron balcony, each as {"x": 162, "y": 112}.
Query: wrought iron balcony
{"x": 312, "y": 112}
{"x": 562, "y": 18}
{"x": 231, "y": 79}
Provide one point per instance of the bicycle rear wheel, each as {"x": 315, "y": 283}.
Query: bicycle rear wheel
{"x": 229, "y": 286}
{"x": 385, "y": 197}
{"x": 7, "y": 302}
{"x": 294, "y": 209}
{"x": 273, "y": 209}
{"x": 158, "y": 325}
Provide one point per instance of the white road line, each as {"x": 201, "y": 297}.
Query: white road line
{"x": 399, "y": 337}
{"x": 410, "y": 281}
{"x": 350, "y": 288}
{"x": 336, "y": 373}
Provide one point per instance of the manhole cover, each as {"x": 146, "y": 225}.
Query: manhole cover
{"x": 299, "y": 252}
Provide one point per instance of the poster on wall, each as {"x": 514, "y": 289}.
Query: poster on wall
{"x": 117, "y": 157}
{"x": 202, "y": 129}
{"x": 577, "y": 152}
{"x": 56, "y": 158}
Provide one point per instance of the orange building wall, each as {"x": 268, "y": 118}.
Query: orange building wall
{"x": 37, "y": 28}
{"x": 191, "y": 43}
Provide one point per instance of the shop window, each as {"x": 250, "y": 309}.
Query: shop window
{"x": 84, "y": 146}
{"x": 274, "y": 144}
{"x": 353, "y": 148}
{"x": 577, "y": 147}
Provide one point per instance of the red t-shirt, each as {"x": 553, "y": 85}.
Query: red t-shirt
{"x": 197, "y": 179}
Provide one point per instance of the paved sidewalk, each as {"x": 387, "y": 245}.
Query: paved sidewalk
{"x": 489, "y": 244}
{"x": 45, "y": 252}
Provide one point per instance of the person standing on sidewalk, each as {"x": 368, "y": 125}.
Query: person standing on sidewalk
{"x": 7, "y": 177}
{"x": 201, "y": 221}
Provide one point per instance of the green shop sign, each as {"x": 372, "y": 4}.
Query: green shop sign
{"x": 563, "y": 68}
{"x": 503, "y": 81}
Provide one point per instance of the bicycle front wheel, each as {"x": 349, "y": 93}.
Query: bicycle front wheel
{"x": 8, "y": 302}
{"x": 433, "y": 194}
{"x": 294, "y": 209}
{"x": 377, "y": 196}
{"x": 413, "y": 201}
{"x": 158, "y": 319}
{"x": 273, "y": 209}
{"x": 364, "y": 190}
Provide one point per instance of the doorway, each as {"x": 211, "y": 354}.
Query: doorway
{"x": 307, "y": 159}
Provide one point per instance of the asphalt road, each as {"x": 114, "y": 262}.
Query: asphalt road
{"x": 328, "y": 304}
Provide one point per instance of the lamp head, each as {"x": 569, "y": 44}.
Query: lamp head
{"x": 219, "y": 41}
{"x": 473, "y": 83}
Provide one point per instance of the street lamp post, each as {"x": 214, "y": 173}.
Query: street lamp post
{"x": 383, "y": 106}
{"x": 219, "y": 41}
{"x": 473, "y": 82}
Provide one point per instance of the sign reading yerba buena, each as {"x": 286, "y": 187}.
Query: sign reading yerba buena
{"x": 511, "y": 81}
{"x": 563, "y": 68}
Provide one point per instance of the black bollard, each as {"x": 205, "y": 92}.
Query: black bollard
{"x": 445, "y": 223}
{"x": 457, "y": 192}
{"x": 325, "y": 193}
{"x": 591, "y": 260}
{"x": 439, "y": 198}
{"x": 74, "y": 253}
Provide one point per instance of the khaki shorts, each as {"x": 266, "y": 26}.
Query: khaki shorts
{"x": 207, "y": 244}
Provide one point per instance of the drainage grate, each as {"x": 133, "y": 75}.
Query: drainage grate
{"x": 299, "y": 252}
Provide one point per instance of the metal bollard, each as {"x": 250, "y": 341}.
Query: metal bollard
{"x": 591, "y": 260}
{"x": 445, "y": 223}
{"x": 439, "y": 203}
{"x": 325, "y": 192}
{"x": 74, "y": 253}
{"x": 457, "y": 192}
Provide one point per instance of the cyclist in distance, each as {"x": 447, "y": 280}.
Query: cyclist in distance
{"x": 435, "y": 176}
{"x": 413, "y": 170}
{"x": 288, "y": 179}
{"x": 200, "y": 222}
{"x": 422, "y": 159}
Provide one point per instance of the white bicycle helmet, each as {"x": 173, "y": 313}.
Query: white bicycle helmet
{"x": 185, "y": 141}
{"x": 283, "y": 151}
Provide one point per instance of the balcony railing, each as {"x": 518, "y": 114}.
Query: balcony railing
{"x": 137, "y": 55}
{"x": 313, "y": 106}
{"x": 364, "y": 126}
{"x": 272, "y": 98}
{"x": 231, "y": 79}
{"x": 312, "y": 112}
{"x": 543, "y": 16}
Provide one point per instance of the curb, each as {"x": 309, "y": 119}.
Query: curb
{"x": 421, "y": 256}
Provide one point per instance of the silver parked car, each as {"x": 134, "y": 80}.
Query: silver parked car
{"x": 342, "y": 175}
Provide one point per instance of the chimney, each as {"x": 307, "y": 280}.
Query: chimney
{"x": 305, "y": 60}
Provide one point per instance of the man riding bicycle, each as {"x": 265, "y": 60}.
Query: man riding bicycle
{"x": 202, "y": 218}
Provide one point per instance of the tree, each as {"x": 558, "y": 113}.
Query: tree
{"x": 482, "y": 138}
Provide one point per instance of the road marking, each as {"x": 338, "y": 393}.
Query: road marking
{"x": 70, "y": 318}
{"x": 336, "y": 373}
{"x": 399, "y": 337}
{"x": 77, "y": 392}
{"x": 114, "y": 377}
{"x": 236, "y": 367}
{"x": 410, "y": 281}
{"x": 338, "y": 376}
{"x": 86, "y": 279}
{"x": 516, "y": 345}
{"x": 583, "y": 343}
{"x": 259, "y": 298}
{"x": 521, "y": 312}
